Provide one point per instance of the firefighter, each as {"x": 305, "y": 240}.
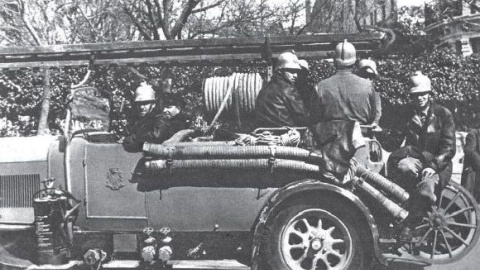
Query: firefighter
{"x": 423, "y": 166}
{"x": 279, "y": 103}
{"x": 338, "y": 106}
{"x": 471, "y": 166}
{"x": 367, "y": 69}
{"x": 305, "y": 83}
{"x": 152, "y": 123}
{"x": 344, "y": 95}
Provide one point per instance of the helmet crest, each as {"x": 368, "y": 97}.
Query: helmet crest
{"x": 144, "y": 92}
{"x": 345, "y": 54}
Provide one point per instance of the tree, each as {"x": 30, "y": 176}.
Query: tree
{"x": 157, "y": 20}
{"x": 445, "y": 10}
{"x": 47, "y": 22}
{"x": 347, "y": 16}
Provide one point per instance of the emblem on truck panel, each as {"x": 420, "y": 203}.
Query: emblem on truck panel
{"x": 114, "y": 179}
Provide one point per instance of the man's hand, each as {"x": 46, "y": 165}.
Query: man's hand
{"x": 410, "y": 165}
{"x": 376, "y": 128}
{"x": 428, "y": 172}
{"x": 426, "y": 187}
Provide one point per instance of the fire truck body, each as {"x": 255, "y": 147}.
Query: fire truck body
{"x": 81, "y": 201}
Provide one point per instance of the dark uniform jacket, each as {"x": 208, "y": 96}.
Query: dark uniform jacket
{"x": 336, "y": 105}
{"x": 344, "y": 96}
{"x": 305, "y": 85}
{"x": 435, "y": 139}
{"x": 472, "y": 162}
{"x": 155, "y": 127}
{"x": 279, "y": 104}
{"x": 472, "y": 150}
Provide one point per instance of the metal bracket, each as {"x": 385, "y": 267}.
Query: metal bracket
{"x": 271, "y": 159}
{"x": 169, "y": 161}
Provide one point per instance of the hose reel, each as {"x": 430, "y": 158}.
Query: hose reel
{"x": 246, "y": 87}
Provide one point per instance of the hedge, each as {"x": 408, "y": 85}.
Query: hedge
{"x": 455, "y": 80}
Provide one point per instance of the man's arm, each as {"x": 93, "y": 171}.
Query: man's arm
{"x": 447, "y": 144}
{"x": 147, "y": 130}
{"x": 297, "y": 109}
{"x": 377, "y": 102}
{"x": 316, "y": 110}
{"x": 132, "y": 144}
{"x": 470, "y": 149}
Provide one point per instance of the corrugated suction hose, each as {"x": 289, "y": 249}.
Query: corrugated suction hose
{"x": 224, "y": 151}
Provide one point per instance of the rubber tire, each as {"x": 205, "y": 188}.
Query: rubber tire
{"x": 270, "y": 254}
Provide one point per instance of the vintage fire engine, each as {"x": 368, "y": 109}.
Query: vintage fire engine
{"x": 80, "y": 201}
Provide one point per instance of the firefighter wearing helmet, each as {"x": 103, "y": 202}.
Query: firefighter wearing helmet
{"x": 279, "y": 103}
{"x": 144, "y": 99}
{"x": 339, "y": 104}
{"x": 305, "y": 83}
{"x": 367, "y": 68}
{"x": 424, "y": 165}
{"x": 151, "y": 122}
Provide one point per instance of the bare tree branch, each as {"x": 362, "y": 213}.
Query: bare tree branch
{"x": 137, "y": 23}
{"x": 136, "y": 72}
{"x": 208, "y": 7}
{"x": 93, "y": 30}
{"x": 159, "y": 13}
{"x": 7, "y": 38}
{"x": 27, "y": 23}
{"x": 156, "y": 35}
{"x": 166, "y": 19}
{"x": 177, "y": 28}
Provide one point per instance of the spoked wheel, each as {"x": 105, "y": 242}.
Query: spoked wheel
{"x": 450, "y": 230}
{"x": 305, "y": 237}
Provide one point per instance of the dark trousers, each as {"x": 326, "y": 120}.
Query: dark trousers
{"x": 418, "y": 203}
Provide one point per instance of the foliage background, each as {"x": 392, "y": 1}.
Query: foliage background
{"x": 455, "y": 80}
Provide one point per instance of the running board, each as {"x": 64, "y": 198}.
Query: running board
{"x": 182, "y": 264}
{"x": 134, "y": 264}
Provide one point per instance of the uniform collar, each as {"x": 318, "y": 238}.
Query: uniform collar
{"x": 281, "y": 77}
{"x": 423, "y": 112}
{"x": 344, "y": 71}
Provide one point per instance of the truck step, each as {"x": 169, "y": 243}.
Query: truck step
{"x": 182, "y": 264}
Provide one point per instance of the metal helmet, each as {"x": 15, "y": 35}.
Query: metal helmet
{"x": 368, "y": 65}
{"x": 420, "y": 83}
{"x": 288, "y": 60}
{"x": 303, "y": 64}
{"x": 144, "y": 93}
{"x": 345, "y": 54}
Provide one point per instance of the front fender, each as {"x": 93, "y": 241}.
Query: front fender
{"x": 299, "y": 188}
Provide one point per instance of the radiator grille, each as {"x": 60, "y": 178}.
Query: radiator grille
{"x": 17, "y": 190}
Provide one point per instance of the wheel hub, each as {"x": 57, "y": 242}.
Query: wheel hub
{"x": 450, "y": 229}
{"x": 316, "y": 244}
{"x": 437, "y": 220}
{"x": 315, "y": 239}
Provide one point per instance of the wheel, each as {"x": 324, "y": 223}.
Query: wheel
{"x": 450, "y": 230}
{"x": 309, "y": 236}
